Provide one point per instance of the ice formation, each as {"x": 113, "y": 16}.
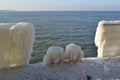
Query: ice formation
{"x": 16, "y": 43}
{"x": 106, "y": 69}
{"x": 54, "y": 55}
{"x": 74, "y": 53}
{"x": 107, "y": 38}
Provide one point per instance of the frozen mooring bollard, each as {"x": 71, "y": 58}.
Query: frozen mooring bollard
{"x": 16, "y": 44}
{"x": 107, "y": 39}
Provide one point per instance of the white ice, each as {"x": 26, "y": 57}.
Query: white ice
{"x": 16, "y": 43}
{"x": 107, "y": 38}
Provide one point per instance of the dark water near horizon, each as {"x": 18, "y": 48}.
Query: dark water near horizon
{"x": 61, "y": 27}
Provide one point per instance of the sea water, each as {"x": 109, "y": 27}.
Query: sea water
{"x": 60, "y": 28}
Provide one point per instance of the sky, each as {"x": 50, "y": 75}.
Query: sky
{"x": 60, "y": 5}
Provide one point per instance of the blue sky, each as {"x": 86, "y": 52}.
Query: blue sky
{"x": 60, "y": 5}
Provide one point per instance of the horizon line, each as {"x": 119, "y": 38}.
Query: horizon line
{"x": 59, "y": 10}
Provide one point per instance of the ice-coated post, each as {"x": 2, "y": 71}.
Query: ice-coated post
{"x": 16, "y": 43}
{"x": 107, "y": 39}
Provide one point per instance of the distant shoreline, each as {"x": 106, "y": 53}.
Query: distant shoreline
{"x": 57, "y": 11}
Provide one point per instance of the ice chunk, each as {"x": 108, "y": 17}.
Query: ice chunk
{"x": 107, "y": 38}
{"x": 16, "y": 43}
{"x": 106, "y": 69}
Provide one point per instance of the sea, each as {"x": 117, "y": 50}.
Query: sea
{"x": 59, "y": 28}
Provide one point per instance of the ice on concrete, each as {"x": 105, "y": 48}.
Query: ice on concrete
{"x": 16, "y": 43}
{"x": 108, "y": 70}
{"x": 107, "y": 38}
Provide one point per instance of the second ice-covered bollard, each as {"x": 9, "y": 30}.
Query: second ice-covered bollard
{"x": 16, "y": 43}
{"x": 107, "y": 39}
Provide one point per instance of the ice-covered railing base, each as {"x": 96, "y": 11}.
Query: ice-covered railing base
{"x": 16, "y": 43}
{"x": 107, "y": 39}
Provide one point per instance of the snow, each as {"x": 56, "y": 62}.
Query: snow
{"x": 89, "y": 68}
{"x": 107, "y": 38}
{"x": 16, "y": 43}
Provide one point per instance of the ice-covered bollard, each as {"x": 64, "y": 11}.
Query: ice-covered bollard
{"x": 54, "y": 55}
{"x": 107, "y": 39}
{"x": 74, "y": 53}
{"x": 16, "y": 43}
